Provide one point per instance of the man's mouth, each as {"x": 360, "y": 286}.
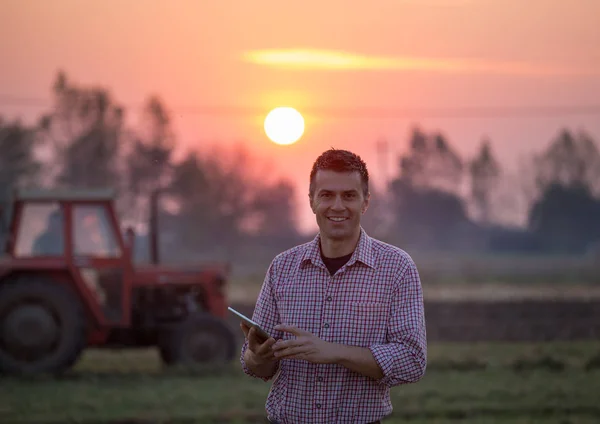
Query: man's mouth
{"x": 336, "y": 218}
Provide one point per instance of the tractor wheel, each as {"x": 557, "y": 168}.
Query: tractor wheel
{"x": 42, "y": 327}
{"x": 198, "y": 340}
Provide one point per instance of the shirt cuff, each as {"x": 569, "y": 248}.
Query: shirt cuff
{"x": 398, "y": 364}
{"x": 248, "y": 371}
{"x": 384, "y": 356}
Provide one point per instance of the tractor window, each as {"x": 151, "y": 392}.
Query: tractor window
{"x": 41, "y": 230}
{"x": 93, "y": 234}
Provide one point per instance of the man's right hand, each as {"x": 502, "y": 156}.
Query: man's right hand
{"x": 261, "y": 349}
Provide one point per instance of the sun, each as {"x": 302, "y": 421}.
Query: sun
{"x": 284, "y": 125}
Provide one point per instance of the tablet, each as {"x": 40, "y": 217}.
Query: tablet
{"x": 261, "y": 333}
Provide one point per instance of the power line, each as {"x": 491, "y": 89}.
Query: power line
{"x": 460, "y": 112}
{"x": 355, "y": 112}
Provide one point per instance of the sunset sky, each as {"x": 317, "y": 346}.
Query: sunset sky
{"x": 331, "y": 56}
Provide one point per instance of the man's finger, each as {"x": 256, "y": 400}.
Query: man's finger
{"x": 286, "y": 344}
{"x": 291, "y": 329}
{"x": 297, "y": 356}
{"x": 253, "y": 339}
{"x": 291, "y": 351}
{"x": 267, "y": 345}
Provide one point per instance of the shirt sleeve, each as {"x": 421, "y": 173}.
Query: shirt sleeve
{"x": 403, "y": 358}
{"x": 266, "y": 315}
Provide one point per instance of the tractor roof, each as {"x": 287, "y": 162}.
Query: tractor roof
{"x": 65, "y": 194}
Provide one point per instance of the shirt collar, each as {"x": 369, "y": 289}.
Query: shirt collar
{"x": 363, "y": 252}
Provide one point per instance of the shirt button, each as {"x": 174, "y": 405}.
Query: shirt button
{"x": 329, "y": 298}
{"x": 318, "y": 405}
{"x": 320, "y": 379}
{"x": 326, "y": 325}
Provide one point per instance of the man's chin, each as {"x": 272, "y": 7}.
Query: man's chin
{"x": 337, "y": 235}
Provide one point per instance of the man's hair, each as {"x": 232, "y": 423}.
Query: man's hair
{"x": 339, "y": 161}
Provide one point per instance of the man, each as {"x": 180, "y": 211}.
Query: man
{"x": 51, "y": 241}
{"x": 344, "y": 311}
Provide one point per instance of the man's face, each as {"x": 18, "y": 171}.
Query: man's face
{"x": 338, "y": 203}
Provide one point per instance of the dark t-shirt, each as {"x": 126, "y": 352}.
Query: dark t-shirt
{"x": 333, "y": 264}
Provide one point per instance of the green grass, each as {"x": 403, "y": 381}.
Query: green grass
{"x": 476, "y": 383}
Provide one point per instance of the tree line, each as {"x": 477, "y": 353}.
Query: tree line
{"x": 442, "y": 201}
{"x": 219, "y": 203}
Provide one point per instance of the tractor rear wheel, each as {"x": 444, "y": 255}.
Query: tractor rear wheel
{"x": 42, "y": 327}
{"x": 200, "y": 339}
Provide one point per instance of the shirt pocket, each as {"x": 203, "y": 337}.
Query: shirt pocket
{"x": 365, "y": 323}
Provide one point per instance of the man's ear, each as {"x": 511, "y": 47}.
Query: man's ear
{"x": 366, "y": 203}
{"x": 310, "y": 201}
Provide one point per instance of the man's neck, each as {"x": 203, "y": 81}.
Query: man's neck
{"x": 332, "y": 248}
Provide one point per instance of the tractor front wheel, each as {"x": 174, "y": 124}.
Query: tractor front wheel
{"x": 42, "y": 327}
{"x": 201, "y": 339}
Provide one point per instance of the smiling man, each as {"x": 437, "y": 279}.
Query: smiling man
{"x": 345, "y": 312}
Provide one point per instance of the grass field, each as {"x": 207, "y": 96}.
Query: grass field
{"x": 475, "y": 383}
{"x": 483, "y": 276}
{"x": 246, "y": 291}
{"x": 466, "y": 268}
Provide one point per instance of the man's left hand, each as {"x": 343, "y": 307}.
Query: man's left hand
{"x": 306, "y": 346}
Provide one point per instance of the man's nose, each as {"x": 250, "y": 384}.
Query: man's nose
{"x": 338, "y": 204}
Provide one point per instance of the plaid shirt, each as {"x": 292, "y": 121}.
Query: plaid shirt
{"x": 374, "y": 301}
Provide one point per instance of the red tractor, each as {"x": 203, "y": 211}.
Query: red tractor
{"x": 68, "y": 281}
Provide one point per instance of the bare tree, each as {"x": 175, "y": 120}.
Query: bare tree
{"x": 149, "y": 163}
{"x": 83, "y": 135}
{"x": 485, "y": 172}
{"x": 431, "y": 162}
{"x": 570, "y": 160}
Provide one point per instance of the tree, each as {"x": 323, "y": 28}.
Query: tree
{"x": 431, "y": 162}
{"x": 565, "y": 219}
{"x": 427, "y": 218}
{"x": 274, "y": 212}
{"x": 85, "y": 133}
{"x": 425, "y": 205}
{"x": 378, "y": 219}
{"x": 414, "y": 163}
{"x": 485, "y": 171}
{"x": 571, "y": 160}
{"x": 197, "y": 219}
{"x": 149, "y": 163}
{"x": 18, "y": 163}
{"x": 18, "y": 166}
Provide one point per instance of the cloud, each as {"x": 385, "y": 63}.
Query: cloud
{"x": 333, "y": 60}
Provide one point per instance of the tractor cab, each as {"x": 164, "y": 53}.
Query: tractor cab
{"x": 77, "y": 231}
{"x": 64, "y": 223}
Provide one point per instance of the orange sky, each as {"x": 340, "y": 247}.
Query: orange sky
{"x": 261, "y": 54}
